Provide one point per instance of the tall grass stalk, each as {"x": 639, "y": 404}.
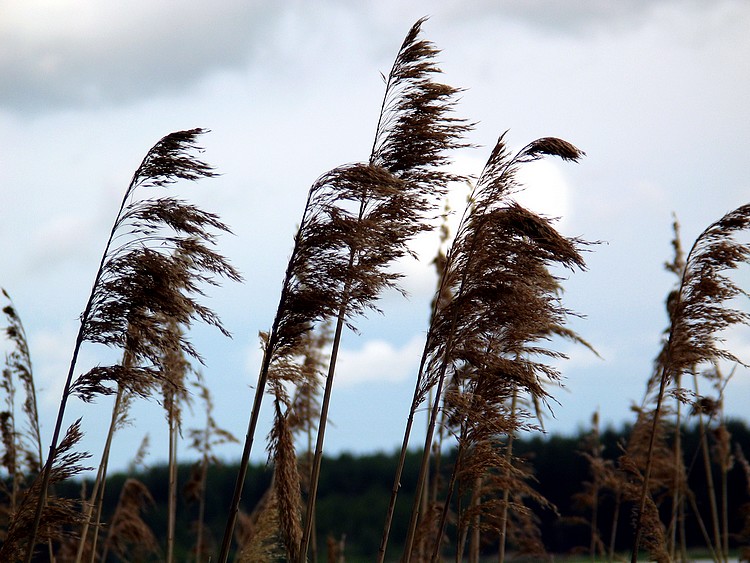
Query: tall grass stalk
{"x": 306, "y": 408}
{"x": 175, "y": 368}
{"x": 145, "y": 276}
{"x": 679, "y": 487}
{"x": 466, "y": 266}
{"x": 716, "y": 545}
{"x": 505, "y": 505}
{"x": 413, "y": 134}
{"x": 698, "y": 312}
{"x": 357, "y": 220}
{"x": 96, "y": 500}
{"x": 128, "y": 536}
{"x": 23, "y": 444}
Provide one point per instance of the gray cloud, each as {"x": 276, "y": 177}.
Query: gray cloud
{"x": 572, "y": 16}
{"x": 115, "y": 52}
{"x": 91, "y": 54}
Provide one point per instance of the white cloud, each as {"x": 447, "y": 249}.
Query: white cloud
{"x": 379, "y": 361}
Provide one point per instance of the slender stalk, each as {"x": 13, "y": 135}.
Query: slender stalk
{"x": 615, "y": 523}
{"x": 99, "y": 507}
{"x": 716, "y": 526}
{"x": 506, "y": 491}
{"x": 473, "y": 525}
{"x": 270, "y": 350}
{"x": 101, "y": 475}
{"x": 446, "y": 505}
{"x": 423, "y": 467}
{"x": 318, "y": 456}
{"x": 424, "y": 464}
{"x": 202, "y": 499}
{"x": 244, "y": 460}
{"x": 254, "y": 415}
{"x": 677, "y": 481}
{"x": 725, "y": 505}
{"x": 649, "y": 464}
{"x": 725, "y": 513}
{"x": 702, "y": 525}
{"x": 683, "y": 534}
{"x": 172, "y": 495}
{"x": 402, "y": 460}
{"x": 595, "y": 540}
{"x": 309, "y": 457}
{"x": 433, "y": 399}
{"x": 47, "y": 469}
{"x": 475, "y": 530}
{"x": 437, "y": 448}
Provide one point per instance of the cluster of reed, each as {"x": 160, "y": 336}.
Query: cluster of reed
{"x": 652, "y": 472}
{"x": 486, "y": 372}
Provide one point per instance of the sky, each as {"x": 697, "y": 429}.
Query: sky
{"x": 655, "y": 93}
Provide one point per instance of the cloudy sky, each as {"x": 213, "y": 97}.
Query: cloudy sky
{"x": 655, "y": 92}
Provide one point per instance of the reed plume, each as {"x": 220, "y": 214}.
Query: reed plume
{"x": 175, "y": 368}
{"x": 58, "y": 515}
{"x": 699, "y": 312}
{"x": 412, "y": 139}
{"x": 23, "y": 444}
{"x": 156, "y": 261}
{"x": 503, "y": 299}
{"x": 129, "y": 537}
{"x": 357, "y": 220}
{"x": 9, "y": 437}
{"x": 286, "y": 483}
{"x": 302, "y": 372}
{"x": 647, "y": 439}
{"x": 257, "y": 533}
{"x": 22, "y": 457}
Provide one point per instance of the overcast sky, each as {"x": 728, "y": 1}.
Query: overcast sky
{"x": 655, "y": 92}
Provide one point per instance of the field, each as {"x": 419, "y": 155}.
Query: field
{"x": 675, "y": 482}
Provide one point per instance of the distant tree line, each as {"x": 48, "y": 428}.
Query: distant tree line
{"x": 352, "y": 502}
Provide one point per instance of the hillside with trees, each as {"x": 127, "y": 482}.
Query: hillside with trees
{"x": 352, "y": 499}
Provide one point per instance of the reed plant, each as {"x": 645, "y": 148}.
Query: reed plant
{"x": 22, "y": 443}
{"x": 58, "y": 514}
{"x": 92, "y": 509}
{"x": 700, "y": 310}
{"x": 487, "y": 373}
{"x": 23, "y": 456}
{"x": 128, "y": 536}
{"x": 157, "y": 259}
{"x": 357, "y": 221}
{"x": 503, "y": 300}
{"x": 175, "y": 369}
